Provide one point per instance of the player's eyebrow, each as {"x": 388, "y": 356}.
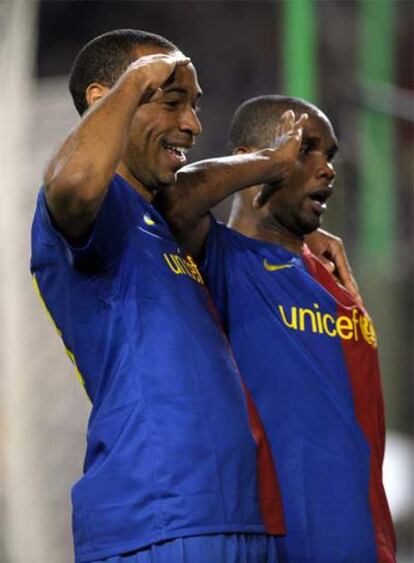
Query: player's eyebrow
{"x": 181, "y": 91}
{"x": 314, "y": 141}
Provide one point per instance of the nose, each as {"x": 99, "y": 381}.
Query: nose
{"x": 189, "y": 122}
{"x": 326, "y": 171}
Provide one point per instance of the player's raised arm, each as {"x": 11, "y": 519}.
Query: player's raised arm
{"x": 77, "y": 177}
{"x": 202, "y": 185}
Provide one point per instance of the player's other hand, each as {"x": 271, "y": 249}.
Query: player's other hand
{"x": 284, "y": 152}
{"x": 331, "y": 252}
{"x": 155, "y": 72}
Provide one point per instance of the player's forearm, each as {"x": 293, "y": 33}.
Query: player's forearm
{"x": 203, "y": 184}
{"x": 78, "y": 175}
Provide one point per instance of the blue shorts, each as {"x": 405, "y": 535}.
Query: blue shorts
{"x": 215, "y": 548}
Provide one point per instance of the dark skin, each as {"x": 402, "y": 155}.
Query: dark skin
{"x": 119, "y": 132}
{"x": 285, "y": 214}
{"x": 187, "y": 207}
{"x": 292, "y": 213}
{"x": 141, "y": 129}
{"x": 296, "y": 208}
{"x": 287, "y": 211}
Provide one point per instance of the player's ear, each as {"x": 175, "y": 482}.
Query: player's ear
{"x": 259, "y": 199}
{"x": 264, "y": 194}
{"x": 95, "y": 92}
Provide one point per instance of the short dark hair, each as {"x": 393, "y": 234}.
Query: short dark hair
{"x": 106, "y": 57}
{"x": 253, "y": 124}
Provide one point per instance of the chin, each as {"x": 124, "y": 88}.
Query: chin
{"x": 309, "y": 226}
{"x": 167, "y": 178}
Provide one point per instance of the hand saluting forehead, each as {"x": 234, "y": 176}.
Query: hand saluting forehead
{"x": 286, "y": 146}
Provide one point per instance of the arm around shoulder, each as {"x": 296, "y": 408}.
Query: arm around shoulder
{"x": 202, "y": 185}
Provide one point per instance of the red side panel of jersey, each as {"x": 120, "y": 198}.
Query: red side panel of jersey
{"x": 270, "y": 497}
{"x": 271, "y": 505}
{"x": 361, "y": 357}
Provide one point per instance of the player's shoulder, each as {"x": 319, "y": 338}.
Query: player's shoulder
{"x": 326, "y": 279}
{"x": 42, "y": 224}
{"x": 225, "y": 240}
{"x": 220, "y": 229}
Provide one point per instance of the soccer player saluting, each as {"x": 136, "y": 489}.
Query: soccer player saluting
{"x": 171, "y": 463}
{"x": 172, "y": 468}
{"x": 306, "y": 349}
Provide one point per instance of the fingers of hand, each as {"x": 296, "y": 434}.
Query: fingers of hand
{"x": 151, "y": 59}
{"x": 330, "y": 249}
{"x": 182, "y": 61}
{"x": 175, "y": 62}
{"x": 289, "y": 128}
{"x": 176, "y": 59}
{"x": 157, "y": 95}
{"x": 286, "y": 121}
{"x": 279, "y": 131}
{"x": 298, "y": 127}
{"x": 336, "y": 250}
{"x": 297, "y": 135}
{"x": 347, "y": 279}
{"x": 288, "y": 116}
{"x": 299, "y": 124}
{"x": 160, "y": 67}
{"x": 329, "y": 265}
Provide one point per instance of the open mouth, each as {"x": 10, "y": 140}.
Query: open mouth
{"x": 177, "y": 153}
{"x": 319, "y": 198}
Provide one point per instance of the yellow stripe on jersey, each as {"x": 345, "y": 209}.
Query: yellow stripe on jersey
{"x": 69, "y": 352}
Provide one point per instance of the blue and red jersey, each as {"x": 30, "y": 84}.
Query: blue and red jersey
{"x": 170, "y": 451}
{"x": 308, "y": 354}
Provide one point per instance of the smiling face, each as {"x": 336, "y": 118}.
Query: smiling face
{"x": 163, "y": 131}
{"x": 298, "y": 207}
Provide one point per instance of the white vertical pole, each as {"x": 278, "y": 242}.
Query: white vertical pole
{"x": 24, "y": 535}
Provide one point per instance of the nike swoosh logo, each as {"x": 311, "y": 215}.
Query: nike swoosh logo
{"x": 275, "y": 267}
{"x": 148, "y": 221}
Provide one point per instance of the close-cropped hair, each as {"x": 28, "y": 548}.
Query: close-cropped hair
{"x": 254, "y": 122}
{"x": 106, "y": 57}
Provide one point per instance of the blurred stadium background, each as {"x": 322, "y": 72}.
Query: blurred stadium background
{"x": 353, "y": 58}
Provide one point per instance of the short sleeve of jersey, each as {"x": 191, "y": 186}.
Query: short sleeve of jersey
{"x": 108, "y": 236}
{"x": 213, "y": 266}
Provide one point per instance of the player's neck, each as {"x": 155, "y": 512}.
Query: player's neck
{"x": 248, "y": 224}
{"x": 123, "y": 171}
